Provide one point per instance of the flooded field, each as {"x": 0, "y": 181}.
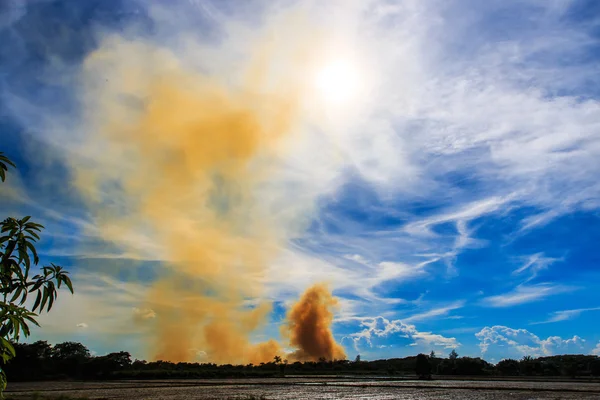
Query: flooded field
{"x": 310, "y": 388}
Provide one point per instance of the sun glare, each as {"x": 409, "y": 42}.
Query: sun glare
{"x": 338, "y": 82}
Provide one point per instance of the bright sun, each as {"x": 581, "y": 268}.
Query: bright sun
{"x": 338, "y": 82}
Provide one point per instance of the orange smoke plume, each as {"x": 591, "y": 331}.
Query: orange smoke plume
{"x": 175, "y": 165}
{"x": 180, "y": 157}
{"x": 309, "y": 324}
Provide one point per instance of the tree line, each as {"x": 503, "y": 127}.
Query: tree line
{"x": 71, "y": 360}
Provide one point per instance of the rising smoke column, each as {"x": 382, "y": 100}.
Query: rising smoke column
{"x": 309, "y": 325}
{"x": 178, "y": 159}
{"x": 173, "y": 164}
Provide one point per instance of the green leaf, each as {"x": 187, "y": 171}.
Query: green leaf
{"x": 6, "y": 160}
{"x": 44, "y": 298}
{"x": 39, "y": 282}
{"x": 15, "y": 325}
{"x": 37, "y": 300}
{"x": 6, "y": 345}
{"x": 16, "y": 294}
{"x": 31, "y": 248}
{"x": 3, "y": 383}
{"x": 33, "y": 226}
{"x": 23, "y": 256}
{"x": 67, "y": 282}
{"x": 24, "y": 296}
{"x": 31, "y": 319}
{"x": 25, "y": 328}
{"x": 52, "y": 297}
{"x": 3, "y": 168}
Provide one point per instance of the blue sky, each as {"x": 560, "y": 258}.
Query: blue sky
{"x": 450, "y": 199}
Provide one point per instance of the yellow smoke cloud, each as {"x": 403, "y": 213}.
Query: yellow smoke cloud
{"x": 179, "y": 159}
{"x": 309, "y": 326}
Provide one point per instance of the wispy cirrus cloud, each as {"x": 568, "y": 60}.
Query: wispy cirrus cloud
{"x": 435, "y": 312}
{"x": 534, "y": 264}
{"x": 461, "y": 330}
{"x": 525, "y": 294}
{"x": 464, "y": 214}
{"x": 565, "y": 315}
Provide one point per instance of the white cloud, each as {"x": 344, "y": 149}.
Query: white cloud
{"x": 462, "y": 330}
{"x": 596, "y": 350}
{"x": 295, "y": 269}
{"x": 565, "y": 315}
{"x": 436, "y": 312}
{"x": 357, "y": 258}
{"x": 465, "y": 214}
{"x": 143, "y": 313}
{"x": 557, "y": 345}
{"x": 82, "y": 325}
{"x": 521, "y": 342}
{"x": 380, "y": 327}
{"x": 525, "y": 294}
{"x": 534, "y": 264}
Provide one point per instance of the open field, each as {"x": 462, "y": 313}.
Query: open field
{"x": 309, "y": 388}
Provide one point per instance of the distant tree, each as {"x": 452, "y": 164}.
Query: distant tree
{"x": 277, "y": 359}
{"x": 446, "y": 367}
{"x": 423, "y": 367}
{"x": 17, "y": 257}
{"x": 453, "y": 355}
{"x": 551, "y": 368}
{"x": 595, "y": 367}
{"x": 33, "y": 361}
{"x": 471, "y": 366}
{"x": 357, "y": 359}
{"x": 70, "y": 350}
{"x": 570, "y": 368}
{"x": 141, "y": 364}
{"x": 508, "y": 367}
{"x": 528, "y": 366}
{"x": 105, "y": 366}
{"x": 432, "y": 354}
{"x": 120, "y": 360}
{"x": 69, "y": 357}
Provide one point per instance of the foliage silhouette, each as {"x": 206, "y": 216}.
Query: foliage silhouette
{"x": 18, "y": 256}
{"x": 423, "y": 367}
{"x": 453, "y": 355}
